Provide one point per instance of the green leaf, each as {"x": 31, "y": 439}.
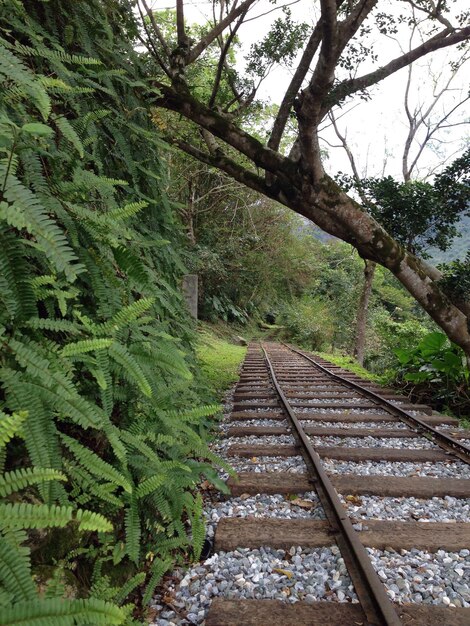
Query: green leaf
{"x": 404, "y": 356}
{"x": 432, "y": 343}
{"x": 38, "y": 129}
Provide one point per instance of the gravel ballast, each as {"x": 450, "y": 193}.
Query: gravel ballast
{"x": 264, "y": 440}
{"x": 260, "y": 464}
{"x": 374, "y": 442}
{"x": 332, "y": 401}
{"x": 446, "y": 509}
{"x": 351, "y": 411}
{"x": 264, "y": 506}
{"x": 265, "y": 573}
{"x": 363, "y": 425}
{"x": 256, "y": 422}
{"x": 440, "y": 469}
{"x": 441, "y": 578}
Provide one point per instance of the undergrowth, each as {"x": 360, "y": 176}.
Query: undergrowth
{"x": 100, "y": 456}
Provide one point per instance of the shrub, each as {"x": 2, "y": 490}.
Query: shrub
{"x": 437, "y": 368}
{"x": 308, "y": 322}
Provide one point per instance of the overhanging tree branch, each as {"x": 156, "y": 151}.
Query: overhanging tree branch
{"x": 442, "y": 40}
{"x": 222, "y": 162}
{"x": 224, "y": 129}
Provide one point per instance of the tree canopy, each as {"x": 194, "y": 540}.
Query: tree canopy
{"x": 336, "y": 64}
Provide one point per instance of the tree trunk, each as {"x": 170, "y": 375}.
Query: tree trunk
{"x": 363, "y": 308}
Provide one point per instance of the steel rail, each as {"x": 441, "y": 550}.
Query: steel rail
{"x": 377, "y": 606}
{"x": 449, "y": 444}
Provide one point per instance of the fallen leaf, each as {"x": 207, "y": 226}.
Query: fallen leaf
{"x": 354, "y": 500}
{"x": 254, "y": 459}
{"x": 284, "y": 572}
{"x": 304, "y": 504}
{"x": 168, "y": 599}
{"x": 244, "y": 496}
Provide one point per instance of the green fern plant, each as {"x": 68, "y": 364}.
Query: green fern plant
{"x": 95, "y": 341}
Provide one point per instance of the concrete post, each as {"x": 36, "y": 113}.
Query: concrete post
{"x": 190, "y": 290}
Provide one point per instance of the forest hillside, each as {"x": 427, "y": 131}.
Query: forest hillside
{"x": 116, "y": 183}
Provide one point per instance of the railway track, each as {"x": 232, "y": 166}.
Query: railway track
{"x": 350, "y": 506}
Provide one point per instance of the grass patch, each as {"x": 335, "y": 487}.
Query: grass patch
{"x": 350, "y": 364}
{"x": 219, "y": 360}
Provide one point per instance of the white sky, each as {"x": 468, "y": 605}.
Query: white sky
{"x": 376, "y": 130}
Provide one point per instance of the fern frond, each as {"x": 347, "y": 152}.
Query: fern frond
{"x": 127, "y": 315}
{"x": 60, "y": 326}
{"x": 88, "y": 483}
{"x": 70, "y": 134}
{"x": 56, "y": 55}
{"x": 127, "y": 211}
{"x": 198, "y": 528}
{"x": 131, "y": 265}
{"x": 129, "y": 587}
{"x": 130, "y": 368}
{"x": 14, "y": 70}
{"x": 88, "y": 345}
{"x": 10, "y": 425}
{"x": 133, "y": 530}
{"x": 94, "y": 464}
{"x": 24, "y": 477}
{"x": 15, "y": 285}
{"x": 159, "y": 568}
{"x": 90, "y": 520}
{"x": 15, "y": 570}
{"x": 62, "y": 612}
{"x": 24, "y": 211}
{"x": 150, "y": 484}
{"x": 25, "y": 515}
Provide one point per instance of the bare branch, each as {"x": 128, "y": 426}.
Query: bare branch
{"x": 221, "y": 162}
{"x": 180, "y": 28}
{"x": 257, "y": 17}
{"x": 351, "y": 158}
{"x": 222, "y": 60}
{"x": 156, "y": 28}
{"x": 442, "y": 40}
{"x": 348, "y": 28}
{"x": 294, "y": 86}
{"x": 150, "y": 45}
{"x": 219, "y": 28}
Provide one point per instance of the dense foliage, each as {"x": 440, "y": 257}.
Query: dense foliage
{"x": 420, "y": 215}
{"x": 436, "y": 368}
{"x": 94, "y": 364}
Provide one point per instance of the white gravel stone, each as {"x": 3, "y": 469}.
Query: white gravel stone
{"x": 260, "y": 464}
{"x": 266, "y": 401}
{"x": 268, "y": 440}
{"x": 311, "y": 575}
{"x": 440, "y": 578}
{"x": 331, "y": 401}
{"x": 264, "y": 506}
{"x": 257, "y": 422}
{"x": 363, "y": 425}
{"x": 351, "y": 411}
{"x": 420, "y": 443}
{"x": 440, "y": 469}
{"x": 445, "y": 509}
